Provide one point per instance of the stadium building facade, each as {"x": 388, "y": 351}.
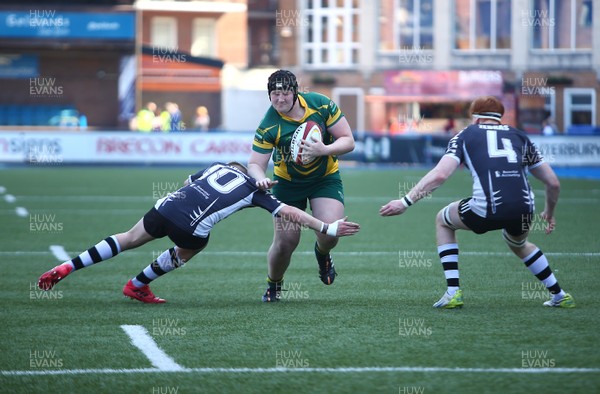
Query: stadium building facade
{"x": 394, "y": 66}
{"x": 65, "y": 65}
{"x": 411, "y": 65}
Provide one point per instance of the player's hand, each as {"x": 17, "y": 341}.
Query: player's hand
{"x": 265, "y": 183}
{"x": 312, "y": 148}
{"x": 394, "y": 207}
{"x": 186, "y": 182}
{"x": 346, "y": 228}
{"x": 550, "y": 220}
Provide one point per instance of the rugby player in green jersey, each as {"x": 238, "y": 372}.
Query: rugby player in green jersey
{"x": 318, "y": 182}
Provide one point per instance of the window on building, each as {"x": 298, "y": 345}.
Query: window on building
{"x": 405, "y": 24}
{"x": 561, "y": 24}
{"x": 482, "y": 24}
{"x": 580, "y": 107}
{"x": 163, "y": 32}
{"x": 330, "y": 31}
{"x": 203, "y": 37}
{"x": 550, "y": 105}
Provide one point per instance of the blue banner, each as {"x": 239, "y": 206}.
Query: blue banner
{"x": 19, "y": 66}
{"x": 52, "y": 24}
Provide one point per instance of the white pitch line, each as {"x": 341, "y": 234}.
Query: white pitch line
{"x": 302, "y": 370}
{"x": 59, "y": 252}
{"x": 140, "y": 339}
{"x": 307, "y": 253}
{"x": 349, "y": 199}
{"x": 22, "y": 212}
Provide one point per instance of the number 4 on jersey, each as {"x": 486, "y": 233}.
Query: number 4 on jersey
{"x": 507, "y": 148}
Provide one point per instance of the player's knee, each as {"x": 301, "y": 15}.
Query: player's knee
{"x": 443, "y": 218}
{"x": 285, "y": 244}
{"x": 513, "y": 242}
{"x": 184, "y": 255}
{"x": 126, "y": 240}
{"x": 439, "y": 218}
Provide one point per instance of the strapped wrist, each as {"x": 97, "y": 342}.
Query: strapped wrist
{"x": 332, "y": 229}
{"x": 406, "y": 201}
{"x": 324, "y": 228}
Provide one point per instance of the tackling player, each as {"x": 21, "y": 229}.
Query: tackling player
{"x": 498, "y": 157}
{"x": 317, "y": 182}
{"x": 187, "y": 216}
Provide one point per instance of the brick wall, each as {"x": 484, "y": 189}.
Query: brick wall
{"x": 87, "y": 80}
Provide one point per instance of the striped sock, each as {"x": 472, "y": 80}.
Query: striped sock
{"x": 166, "y": 262}
{"x": 449, "y": 258}
{"x": 103, "y": 250}
{"x": 537, "y": 264}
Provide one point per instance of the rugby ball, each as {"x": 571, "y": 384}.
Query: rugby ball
{"x": 307, "y": 130}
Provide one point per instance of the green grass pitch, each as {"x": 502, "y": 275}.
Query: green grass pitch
{"x": 376, "y": 315}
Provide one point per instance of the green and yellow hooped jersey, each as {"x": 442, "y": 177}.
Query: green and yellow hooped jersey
{"x": 275, "y": 133}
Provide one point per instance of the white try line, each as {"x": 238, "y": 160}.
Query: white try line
{"x": 164, "y": 364}
{"x": 59, "y": 252}
{"x": 140, "y": 339}
{"x": 109, "y": 371}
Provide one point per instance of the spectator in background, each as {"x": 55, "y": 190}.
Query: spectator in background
{"x": 175, "y": 117}
{"x": 548, "y": 126}
{"x": 202, "y": 120}
{"x": 394, "y": 126}
{"x": 162, "y": 121}
{"x": 145, "y": 118}
{"x": 450, "y": 126}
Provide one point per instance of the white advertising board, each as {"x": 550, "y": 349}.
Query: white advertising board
{"x": 124, "y": 147}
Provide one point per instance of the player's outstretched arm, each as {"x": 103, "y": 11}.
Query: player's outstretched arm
{"x": 434, "y": 179}
{"x": 257, "y": 168}
{"x": 339, "y": 228}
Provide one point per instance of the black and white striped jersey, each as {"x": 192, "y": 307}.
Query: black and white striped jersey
{"x": 214, "y": 194}
{"x": 498, "y": 157}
